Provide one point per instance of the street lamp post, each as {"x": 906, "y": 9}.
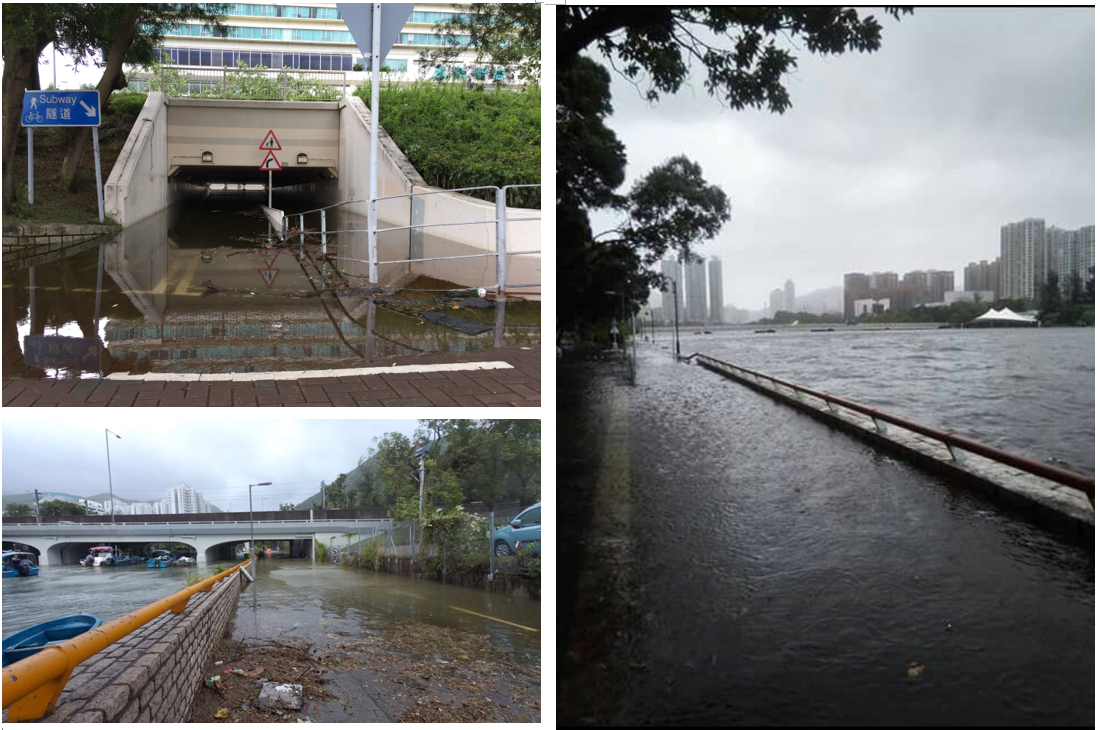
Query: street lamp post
{"x": 676, "y": 319}
{"x": 251, "y": 527}
{"x": 110, "y": 484}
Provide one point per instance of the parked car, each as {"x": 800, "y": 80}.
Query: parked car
{"x": 66, "y": 522}
{"x": 524, "y": 530}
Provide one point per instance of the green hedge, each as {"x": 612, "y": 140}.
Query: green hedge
{"x": 459, "y": 138}
{"x": 126, "y": 102}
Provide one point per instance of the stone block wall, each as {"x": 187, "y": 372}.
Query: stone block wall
{"x": 51, "y": 240}
{"x": 153, "y": 674}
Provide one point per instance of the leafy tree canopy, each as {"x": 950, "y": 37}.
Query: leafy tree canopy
{"x": 19, "y": 509}
{"x": 59, "y": 507}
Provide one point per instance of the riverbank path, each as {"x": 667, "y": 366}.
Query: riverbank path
{"x": 725, "y": 559}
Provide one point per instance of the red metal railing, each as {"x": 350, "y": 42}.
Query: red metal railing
{"x": 1074, "y": 480}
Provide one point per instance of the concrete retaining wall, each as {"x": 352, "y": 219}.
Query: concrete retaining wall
{"x": 397, "y": 176}
{"x": 1047, "y": 502}
{"x": 138, "y": 185}
{"x": 152, "y": 674}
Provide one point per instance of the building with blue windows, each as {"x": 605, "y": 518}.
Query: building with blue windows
{"x": 313, "y": 37}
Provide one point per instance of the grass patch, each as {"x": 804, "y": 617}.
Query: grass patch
{"x": 458, "y": 138}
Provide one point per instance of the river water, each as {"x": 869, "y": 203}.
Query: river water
{"x": 291, "y": 598}
{"x": 1028, "y": 391}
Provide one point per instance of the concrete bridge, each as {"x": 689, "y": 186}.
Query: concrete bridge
{"x": 213, "y": 541}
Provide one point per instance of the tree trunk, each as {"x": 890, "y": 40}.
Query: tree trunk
{"x": 112, "y": 79}
{"x": 19, "y": 66}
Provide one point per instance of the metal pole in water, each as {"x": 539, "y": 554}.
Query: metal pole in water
{"x": 502, "y": 241}
{"x": 98, "y": 173}
{"x": 269, "y": 188}
{"x": 372, "y": 217}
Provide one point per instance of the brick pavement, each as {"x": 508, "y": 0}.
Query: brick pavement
{"x": 519, "y": 385}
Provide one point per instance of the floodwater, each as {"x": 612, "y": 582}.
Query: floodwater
{"x": 142, "y": 295}
{"x": 322, "y": 603}
{"x": 291, "y": 598}
{"x": 728, "y": 560}
{"x": 1029, "y": 391}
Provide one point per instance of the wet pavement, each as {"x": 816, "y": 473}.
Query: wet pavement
{"x": 728, "y": 560}
{"x": 196, "y": 290}
{"x": 375, "y": 647}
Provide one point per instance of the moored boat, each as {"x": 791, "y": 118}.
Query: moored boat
{"x": 34, "y": 639}
{"x": 97, "y": 555}
{"x": 19, "y": 564}
{"x": 160, "y": 559}
{"x": 185, "y": 560}
{"x": 119, "y": 559}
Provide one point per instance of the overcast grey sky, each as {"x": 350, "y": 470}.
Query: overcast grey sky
{"x": 908, "y": 158}
{"x": 219, "y": 457}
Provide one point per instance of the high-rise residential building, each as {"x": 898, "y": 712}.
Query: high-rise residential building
{"x": 1076, "y": 256}
{"x": 928, "y": 286}
{"x": 183, "y": 499}
{"x": 714, "y": 280}
{"x": 775, "y": 302}
{"x": 314, "y": 37}
{"x": 1023, "y": 255}
{"x": 670, "y": 305}
{"x": 983, "y": 276}
{"x": 883, "y": 280}
{"x": 696, "y": 294}
{"x": 788, "y": 296}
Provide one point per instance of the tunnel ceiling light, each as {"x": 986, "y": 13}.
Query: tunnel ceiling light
{"x": 302, "y": 158}
{"x": 207, "y": 156}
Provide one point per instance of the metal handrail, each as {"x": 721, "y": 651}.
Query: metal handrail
{"x": 1074, "y": 480}
{"x": 501, "y": 221}
{"x": 33, "y": 685}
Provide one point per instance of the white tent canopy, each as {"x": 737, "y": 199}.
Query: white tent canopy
{"x": 1003, "y": 316}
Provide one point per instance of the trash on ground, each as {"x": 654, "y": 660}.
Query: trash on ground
{"x": 222, "y": 713}
{"x": 279, "y": 696}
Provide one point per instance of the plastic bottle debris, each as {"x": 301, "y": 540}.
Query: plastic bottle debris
{"x": 218, "y": 664}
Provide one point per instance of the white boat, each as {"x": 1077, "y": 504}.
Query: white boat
{"x": 185, "y": 561}
{"x": 97, "y": 555}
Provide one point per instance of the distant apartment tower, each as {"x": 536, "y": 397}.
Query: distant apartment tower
{"x": 714, "y": 280}
{"x": 928, "y": 286}
{"x": 1076, "y": 255}
{"x": 696, "y": 295}
{"x": 183, "y": 500}
{"x": 775, "y": 302}
{"x": 674, "y": 272}
{"x": 983, "y": 276}
{"x": 788, "y": 296}
{"x": 1023, "y": 257}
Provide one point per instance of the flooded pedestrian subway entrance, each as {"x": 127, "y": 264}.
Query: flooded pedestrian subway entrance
{"x": 206, "y": 284}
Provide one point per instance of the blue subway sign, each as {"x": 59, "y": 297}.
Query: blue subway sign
{"x": 60, "y": 109}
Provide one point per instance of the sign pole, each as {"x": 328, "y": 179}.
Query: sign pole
{"x": 30, "y": 165}
{"x": 98, "y": 173}
{"x": 372, "y": 217}
{"x": 269, "y": 188}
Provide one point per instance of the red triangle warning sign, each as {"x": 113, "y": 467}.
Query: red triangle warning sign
{"x": 270, "y": 163}
{"x": 270, "y": 143}
{"x": 270, "y": 254}
{"x": 269, "y": 275}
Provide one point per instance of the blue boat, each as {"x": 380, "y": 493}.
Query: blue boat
{"x": 23, "y": 644}
{"x": 19, "y": 564}
{"x": 160, "y": 559}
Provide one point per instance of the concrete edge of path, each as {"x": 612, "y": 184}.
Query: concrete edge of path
{"x": 298, "y": 374}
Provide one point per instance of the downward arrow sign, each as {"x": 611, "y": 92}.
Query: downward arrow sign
{"x": 88, "y": 109}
